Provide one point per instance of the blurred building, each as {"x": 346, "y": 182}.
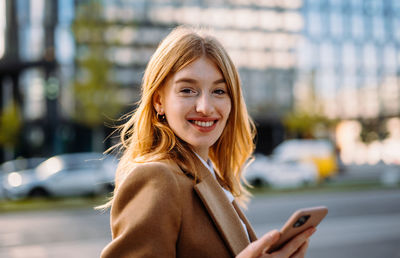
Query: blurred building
{"x": 261, "y": 37}
{"x": 349, "y": 64}
{"x": 28, "y": 72}
{"x": 350, "y": 54}
{"x": 334, "y": 58}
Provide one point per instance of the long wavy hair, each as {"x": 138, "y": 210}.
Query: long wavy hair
{"x": 145, "y": 137}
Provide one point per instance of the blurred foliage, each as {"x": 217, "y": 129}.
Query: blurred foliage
{"x": 95, "y": 94}
{"x": 306, "y": 120}
{"x": 10, "y": 125}
{"x": 373, "y": 130}
{"x": 306, "y": 125}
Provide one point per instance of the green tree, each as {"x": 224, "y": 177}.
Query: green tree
{"x": 307, "y": 119}
{"x": 10, "y": 128}
{"x": 308, "y": 125}
{"x": 95, "y": 94}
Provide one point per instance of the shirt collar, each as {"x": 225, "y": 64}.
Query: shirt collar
{"x": 209, "y": 166}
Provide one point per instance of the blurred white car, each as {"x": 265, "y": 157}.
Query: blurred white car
{"x": 265, "y": 171}
{"x": 16, "y": 166}
{"x": 75, "y": 174}
{"x": 321, "y": 152}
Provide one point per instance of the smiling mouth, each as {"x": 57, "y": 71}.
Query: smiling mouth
{"x": 203, "y": 123}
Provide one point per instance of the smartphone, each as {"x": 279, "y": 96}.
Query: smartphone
{"x": 300, "y": 220}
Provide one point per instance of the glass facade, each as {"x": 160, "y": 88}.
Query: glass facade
{"x": 261, "y": 37}
{"x": 357, "y": 48}
{"x": 335, "y": 58}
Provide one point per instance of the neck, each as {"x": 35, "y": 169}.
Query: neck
{"x": 203, "y": 153}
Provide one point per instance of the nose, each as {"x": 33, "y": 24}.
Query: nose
{"x": 204, "y": 105}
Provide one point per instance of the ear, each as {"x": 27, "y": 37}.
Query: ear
{"x": 157, "y": 102}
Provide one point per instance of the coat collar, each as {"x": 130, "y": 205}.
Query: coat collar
{"x": 252, "y": 233}
{"x": 226, "y": 215}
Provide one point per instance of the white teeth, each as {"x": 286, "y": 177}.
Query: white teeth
{"x": 204, "y": 124}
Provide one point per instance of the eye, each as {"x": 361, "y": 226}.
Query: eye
{"x": 220, "y": 92}
{"x": 187, "y": 91}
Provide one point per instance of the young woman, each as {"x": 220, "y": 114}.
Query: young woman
{"x": 178, "y": 181}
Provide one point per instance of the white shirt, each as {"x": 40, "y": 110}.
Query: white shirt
{"x": 228, "y": 194}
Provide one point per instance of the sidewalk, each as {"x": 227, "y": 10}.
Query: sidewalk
{"x": 379, "y": 173}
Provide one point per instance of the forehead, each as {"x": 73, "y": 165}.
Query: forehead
{"x": 201, "y": 68}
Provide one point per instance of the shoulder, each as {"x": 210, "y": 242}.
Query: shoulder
{"x": 159, "y": 175}
{"x": 148, "y": 197}
{"x": 159, "y": 169}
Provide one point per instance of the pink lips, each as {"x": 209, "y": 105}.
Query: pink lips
{"x": 204, "y": 124}
{"x": 203, "y": 119}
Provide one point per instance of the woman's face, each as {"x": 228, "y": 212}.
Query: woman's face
{"x": 196, "y": 104}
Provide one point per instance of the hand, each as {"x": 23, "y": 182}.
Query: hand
{"x": 295, "y": 248}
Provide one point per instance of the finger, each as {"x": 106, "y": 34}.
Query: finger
{"x": 294, "y": 244}
{"x": 301, "y": 252}
{"x": 266, "y": 241}
{"x": 256, "y": 248}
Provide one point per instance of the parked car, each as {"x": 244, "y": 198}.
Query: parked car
{"x": 321, "y": 152}
{"x": 75, "y": 174}
{"x": 266, "y": 171}
{"x": 17, "y": 165}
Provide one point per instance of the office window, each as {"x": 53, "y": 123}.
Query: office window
{"x": 348, "y": 103}
{"x": 370, "y": 58}
{"x": 32, "y": 84}
{"x": 336, "y": 4}
{"x": 370, "y": 101}
{"x": 390, "y": 97}
{"x": 346, "y": 23}
{"x": 314, "y": 4}
{"x": 396, "y": 30}
{"x": 357, "y": 27}
{"x": 23, "y": 12}
{"x": 327, "y": 55}
{"x": 350, "y": 80}
{"x": 396, "y": 7}
{"x": 327, "y": 83}
{"x": 315, "y": 24}
{"x": 373, "y": 7}
{"x": 369, "y": 79}
{"x": 336, "y": 22}
{"x": 37, "y": 12}
{"x": 30, "y": 18}
{"x": 31, "y": 44}
{"x": 64, "y": 45}
{"x": 389, "y": 59}
{"x": 349, "y": 58}
{"x": 356, "y": 5}
{"x": 307, "y": 54}
{"x": 378, "y": 28}
{"x": 66, "y": 12}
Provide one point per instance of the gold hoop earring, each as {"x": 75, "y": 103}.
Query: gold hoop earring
{"x": 161, "y": 117}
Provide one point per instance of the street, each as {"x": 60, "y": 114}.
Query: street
{"x": 359, "y": 224}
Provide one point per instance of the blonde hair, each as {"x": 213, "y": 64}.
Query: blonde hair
{"x": 145, "y": 138}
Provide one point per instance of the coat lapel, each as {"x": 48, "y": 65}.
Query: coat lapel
{"x": 250, "y": 230}
{"x": 221, "y": 210}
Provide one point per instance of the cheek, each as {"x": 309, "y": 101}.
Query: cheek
{"x": 227, "y": 109}
{"x": 177, "y": 109}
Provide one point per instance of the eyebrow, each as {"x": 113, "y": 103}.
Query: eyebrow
{"x": 190, "y": 80}
{"x": 222, "y": 80}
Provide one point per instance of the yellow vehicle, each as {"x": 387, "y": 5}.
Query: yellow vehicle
{"x": 320, "y": 152}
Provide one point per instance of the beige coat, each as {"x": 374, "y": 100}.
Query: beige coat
{"x": 159, "y": 211}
